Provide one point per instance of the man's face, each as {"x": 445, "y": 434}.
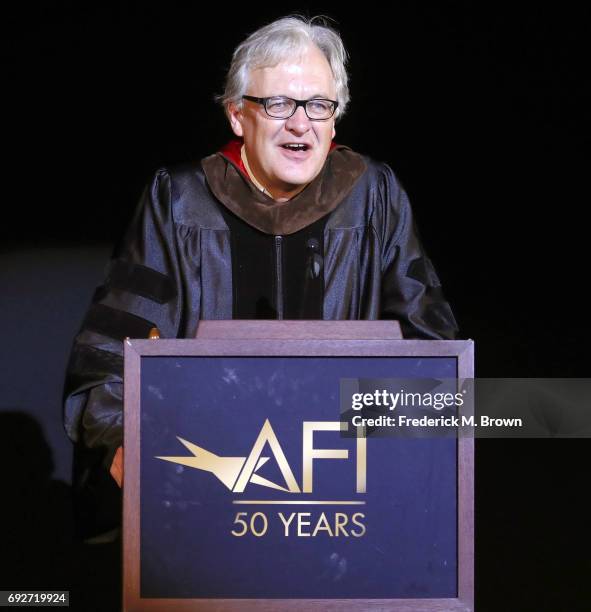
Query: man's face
{"x": 284, "y": 173}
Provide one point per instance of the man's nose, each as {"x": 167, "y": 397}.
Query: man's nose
{"x": 298, "y": 123}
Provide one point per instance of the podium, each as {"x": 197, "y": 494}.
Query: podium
{"x": 245, "y": 488}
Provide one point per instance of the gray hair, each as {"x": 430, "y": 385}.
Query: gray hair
{"x": 285, "y": 38}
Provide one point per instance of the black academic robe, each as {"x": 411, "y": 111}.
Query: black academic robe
{"x": 176, "y": 266}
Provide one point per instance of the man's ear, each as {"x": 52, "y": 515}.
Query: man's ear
{"x": 333, "y": 132}
{"x": 235, "y": 117}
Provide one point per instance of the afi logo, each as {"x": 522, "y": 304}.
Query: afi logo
{"x": 237, "y": 472}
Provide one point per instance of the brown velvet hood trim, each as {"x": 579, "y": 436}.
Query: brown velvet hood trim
{"x": 340, "y": 172}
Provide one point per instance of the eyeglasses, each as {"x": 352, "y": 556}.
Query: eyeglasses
{"x": 282, "y": 107}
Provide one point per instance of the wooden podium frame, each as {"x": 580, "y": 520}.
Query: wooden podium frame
{"x": 292, "y": 339}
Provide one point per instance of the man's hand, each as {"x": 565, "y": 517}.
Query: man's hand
{"x": 117, "y": 466}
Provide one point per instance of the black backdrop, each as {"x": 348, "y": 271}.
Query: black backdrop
{"x": 483, "y": 114}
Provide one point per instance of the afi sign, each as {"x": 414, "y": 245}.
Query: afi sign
{"x": 237, "y": 472}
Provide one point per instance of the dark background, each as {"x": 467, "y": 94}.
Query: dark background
{"x": 483, "y": 113}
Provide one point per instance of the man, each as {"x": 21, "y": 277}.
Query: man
{"x": 282, "y": 223}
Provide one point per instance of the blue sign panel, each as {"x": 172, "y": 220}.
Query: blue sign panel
{"x": 249, "y": 490}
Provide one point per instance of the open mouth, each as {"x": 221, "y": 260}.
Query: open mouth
{"x": 296, "y": 152}
{"x": 295, "y": 147}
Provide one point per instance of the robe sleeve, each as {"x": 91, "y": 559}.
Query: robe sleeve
{"x": 140, "y": 291}
{"x": 411, "y": 291}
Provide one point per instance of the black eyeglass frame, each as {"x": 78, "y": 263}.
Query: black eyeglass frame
{"x": 263, "y": 102}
